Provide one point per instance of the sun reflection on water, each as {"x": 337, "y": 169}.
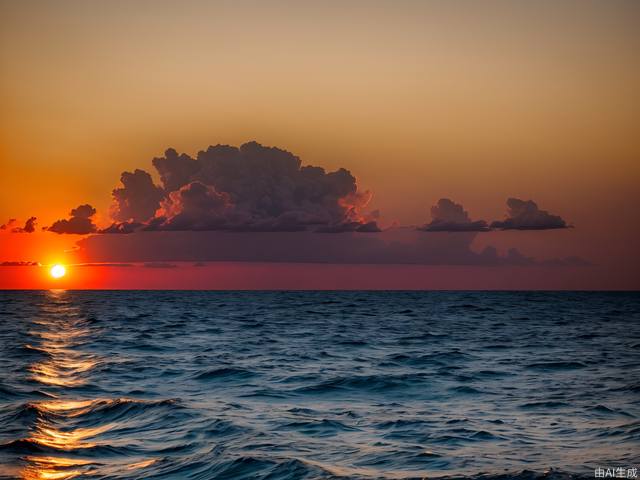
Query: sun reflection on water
{"x": 61, "y": 329}
{"x": 52, "y": 468}
{"x": 59, "y": 333}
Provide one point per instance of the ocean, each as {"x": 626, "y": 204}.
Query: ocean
{"x": 306, "y": 385}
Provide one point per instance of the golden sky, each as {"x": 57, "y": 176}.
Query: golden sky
{"x": 473, "y": 100}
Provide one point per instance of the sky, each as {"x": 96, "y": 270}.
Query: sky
{"x": 477, "y": 102}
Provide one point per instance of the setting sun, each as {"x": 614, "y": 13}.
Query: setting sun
{"x": 58, "y": 271}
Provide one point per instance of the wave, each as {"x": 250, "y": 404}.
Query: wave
{"x": 225, "y": 373}
{"x": 556, "y": 365}
{"x": 466, "y": 390}
{"x": 439, "y": 358}
{"x": 371, "y": 383}
{"x": 544, "y": 405}
{"x": 13, "y": 392}
{"x": 603, "y": 409}
{"x": 29, "y": 446}
{"x": 322, "y": 427}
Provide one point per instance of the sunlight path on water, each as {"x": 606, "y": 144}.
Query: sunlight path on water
{"x": 60, "y": 333}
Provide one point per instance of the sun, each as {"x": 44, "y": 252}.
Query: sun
{"x": 58, "y": 271}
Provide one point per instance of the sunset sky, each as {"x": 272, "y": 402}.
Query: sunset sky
{"x": 473, "y": 101}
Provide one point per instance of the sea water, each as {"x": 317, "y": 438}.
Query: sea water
{"x": 288, "y": 385}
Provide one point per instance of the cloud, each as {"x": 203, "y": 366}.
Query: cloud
{"x": 250, "y": 188}
{"x": 80, "y": 222}
{"x": 448, "y": 216}
{"x": 124, "y": 227}
{"x": 137, "y": 200}
{"x": 10, "y": 223}
{"x": 11, "y": 226}
{"x": 177, "y": 170}
{"x": 525, "y": 215}
{"x": 29, "y": 226}
{"x": 369, "y": 227}
{"x": 195, "y": 206}
{"x": 20, "y": 264}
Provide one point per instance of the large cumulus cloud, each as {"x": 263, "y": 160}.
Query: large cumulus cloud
{"x": 448, "y": 216}
{"x": 250, "y": 188}
{"x": 80, "y": 221}
{"x": 525, "y": 215}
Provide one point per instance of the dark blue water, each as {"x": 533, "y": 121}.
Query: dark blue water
{"x": 199, "y": 385}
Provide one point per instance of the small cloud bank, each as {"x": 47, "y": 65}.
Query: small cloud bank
{"x": 251, "y": 188}
{"x": 9, "y": 224}
{"x": 525, "y": 215}
{"x": 79, "y": 223}
{"x": 20, "y": 264}
{"x": 29, "y": 226}
{"x": 448, "y": 216}
{"x": 392, "y": 246}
